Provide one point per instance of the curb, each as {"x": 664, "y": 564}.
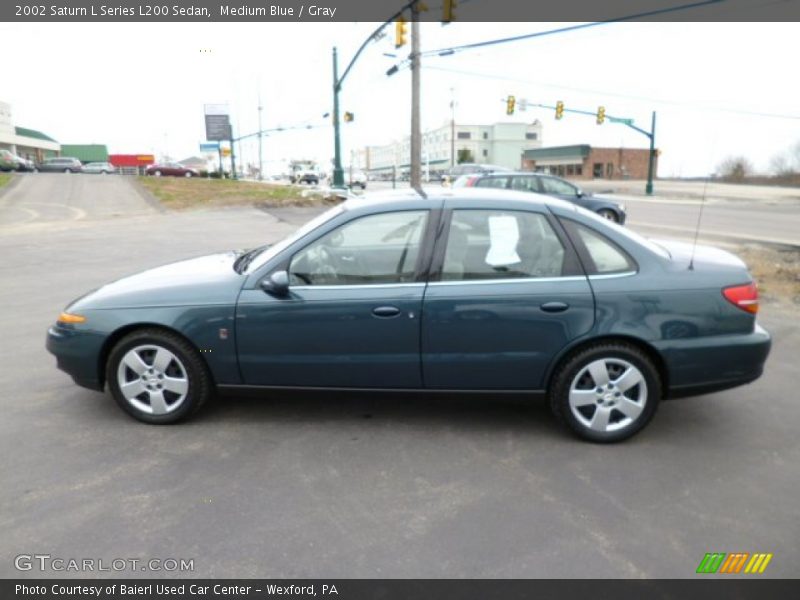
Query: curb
{"x": 15, "y": 179}
{"x": 145, "y": 194}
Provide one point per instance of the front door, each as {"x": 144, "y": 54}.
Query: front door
{"x": 510, "y": 296}
{"x": 352, "y": 315}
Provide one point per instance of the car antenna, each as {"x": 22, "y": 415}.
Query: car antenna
{"x": 699, "y": 217}
{"x": 420, "y": 191}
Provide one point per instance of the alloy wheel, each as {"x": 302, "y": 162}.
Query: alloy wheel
{"x": 152, "y": 379}
{"x": 608, "y": 394}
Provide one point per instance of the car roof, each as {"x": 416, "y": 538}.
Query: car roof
{"x": 448, "y": 195}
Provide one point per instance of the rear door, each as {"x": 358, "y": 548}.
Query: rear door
{"x": 506, "y": 294}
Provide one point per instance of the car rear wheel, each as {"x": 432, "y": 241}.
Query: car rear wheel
{"x": 157, "y": 173}
{"x": 188, "y": 174}
{"x": 67, "y": 170}
{"x": 157, "y": 377}
{"x": 609, "y": 214}
{"x": 606, "y": 393}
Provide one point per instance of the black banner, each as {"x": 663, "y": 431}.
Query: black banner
{"x": 383, "y": 10}
{"x": 399, "y": 589}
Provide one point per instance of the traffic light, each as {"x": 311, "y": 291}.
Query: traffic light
{"x": 601, "y": 114}
{"x": 348, "y": 117}
{"x": 448, "y": 11}
{"x": 510, "y": 103}
{"x": 559, "y": 109}
{"x": 400, "y": 32}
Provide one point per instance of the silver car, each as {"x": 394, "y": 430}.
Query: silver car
{"x": 101, "y": 168}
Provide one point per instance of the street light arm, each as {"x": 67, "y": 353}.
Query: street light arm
{"x": 338, "y": 84}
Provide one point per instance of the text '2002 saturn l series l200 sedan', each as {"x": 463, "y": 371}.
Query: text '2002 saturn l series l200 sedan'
{"x": 464, "y": 290}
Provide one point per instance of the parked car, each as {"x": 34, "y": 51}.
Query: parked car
{"x": 172, "y": 169}
{"x": 477, "y": 290}
{"x": 101, "y": 168}
{"x": 548, "y": 185}
{"x": 472, "y": 168}
{"x": 8, "y": 161}
{"x": 24, "y": 164}
{"x": 358, "y": 179}
{"x": 63, "y": 164}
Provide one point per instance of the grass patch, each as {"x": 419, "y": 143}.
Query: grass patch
{"x": 188, "y": 193}
{"x": 4, "y": 178}
{"x": 777, "y": 272}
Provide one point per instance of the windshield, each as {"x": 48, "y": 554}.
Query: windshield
{"x": 273, "y": 250}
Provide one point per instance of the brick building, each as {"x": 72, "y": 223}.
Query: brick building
{"x": 586, "y": 162}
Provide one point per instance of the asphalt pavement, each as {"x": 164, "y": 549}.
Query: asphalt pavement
{"x": 355, "y": 485}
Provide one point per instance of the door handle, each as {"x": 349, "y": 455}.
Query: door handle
{"x": 386, "y": 311}
{"x": 554, "y": 307}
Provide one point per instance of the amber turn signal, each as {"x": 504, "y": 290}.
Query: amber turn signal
{"x": 68, "y": 318}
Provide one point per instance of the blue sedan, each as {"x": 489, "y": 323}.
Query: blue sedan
{"x": 458, "y": 290}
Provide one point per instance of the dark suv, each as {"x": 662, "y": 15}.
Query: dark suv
{"x": 549, "y": 186}
{"x": 63, "y": 164}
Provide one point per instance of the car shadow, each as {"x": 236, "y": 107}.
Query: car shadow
{"x": 446, "y": 410}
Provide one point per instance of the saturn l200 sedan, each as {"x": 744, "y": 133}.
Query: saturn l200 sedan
{"x": 460, "y": 290}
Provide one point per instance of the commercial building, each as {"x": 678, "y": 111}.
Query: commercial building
{"x": 587, "y": 162}
{"x": 500, "y": 144}
{"x": 85, "y": 153}
{"x": 27, "y": 143}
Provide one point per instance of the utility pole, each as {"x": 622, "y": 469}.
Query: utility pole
{"x": 648, "y": 189}
{"x": 452, "y": 129}
{"x": 260, "y": 135}
{"x": 233, "y": 156}
{"x": 416, "y": 133}
{"x": 338, "y": 172}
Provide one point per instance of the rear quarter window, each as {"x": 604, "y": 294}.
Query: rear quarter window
{"x": 602, "y": 254}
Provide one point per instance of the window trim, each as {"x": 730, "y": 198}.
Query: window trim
{"x": 572, "y": 266}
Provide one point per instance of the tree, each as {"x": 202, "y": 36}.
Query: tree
{"x": 465, "y": 156}
{"x": 735, "y": 168}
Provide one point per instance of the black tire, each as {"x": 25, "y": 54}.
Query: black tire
{"x": 609, "y": 214}
{"x": 573, "y": 365}
{"x": 67, "y": 170}
{"x": 200, "y": 384}
{"x": 188, "y": 174}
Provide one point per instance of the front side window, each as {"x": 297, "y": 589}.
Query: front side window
{"x": 381, "y": 248}
{"x": 556, "y": 186}
{"x": 494, "y": 244}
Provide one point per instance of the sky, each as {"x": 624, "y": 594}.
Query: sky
{"x": 719, "y": 89}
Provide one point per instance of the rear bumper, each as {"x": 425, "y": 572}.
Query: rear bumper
{"x": 710, "y": 364}
{"x": 77, "y": 354}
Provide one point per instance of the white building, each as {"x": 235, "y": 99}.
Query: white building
{"x": 27, "y": 143}
{"x": 501, "y": 144}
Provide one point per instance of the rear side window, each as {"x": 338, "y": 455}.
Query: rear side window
{"x": 489, "y": 244}
{"x": 492, "y": 182}
{"x": 525, "y": 184}
{"x": 605, "y": 254}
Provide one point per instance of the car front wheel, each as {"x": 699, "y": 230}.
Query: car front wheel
{"x": 606, "y": 392}
{"x": 188, "y": 174}
{"x": 157, "y": 377}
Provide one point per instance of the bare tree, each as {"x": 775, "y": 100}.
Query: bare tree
{"x": 735, "y": 168}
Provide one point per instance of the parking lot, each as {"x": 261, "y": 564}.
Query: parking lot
{"x": 354, "y": 485}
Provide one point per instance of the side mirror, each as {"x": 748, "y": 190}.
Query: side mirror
{"x": 276, "y": 284}
{"x": 579, "y": 193}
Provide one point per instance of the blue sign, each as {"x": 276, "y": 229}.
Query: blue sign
{"x": 209, "y": 147}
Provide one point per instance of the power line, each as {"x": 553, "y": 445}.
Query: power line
{"x": 615, "y": 94}
{"x": 516, "y": 38}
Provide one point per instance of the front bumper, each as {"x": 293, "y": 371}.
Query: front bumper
{"x": 77, "y": 353}
{"x": 709, "y": 364}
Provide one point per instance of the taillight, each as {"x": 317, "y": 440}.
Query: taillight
{"x": 743, "y": 296}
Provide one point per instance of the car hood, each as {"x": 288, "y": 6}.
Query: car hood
{"x": 681, "y": 254}
{"x": 197, "y": 281}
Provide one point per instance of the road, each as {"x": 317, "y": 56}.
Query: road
{"x": 358, "y": 485}
{"x": 756, "y": 213}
